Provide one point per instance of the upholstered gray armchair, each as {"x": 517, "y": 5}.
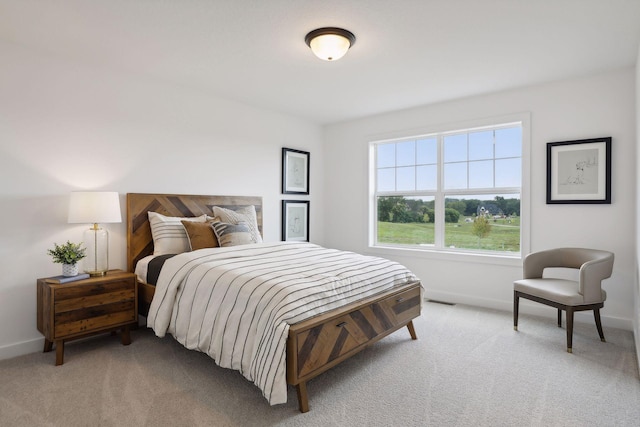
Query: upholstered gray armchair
{"x": 569, "y": 295}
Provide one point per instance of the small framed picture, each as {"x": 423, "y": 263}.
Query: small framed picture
{"x": 295, "y": 171}
{"x": 579, "y": 171}
{"x": 295, "y": 220}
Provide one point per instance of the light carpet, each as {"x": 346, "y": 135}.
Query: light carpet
{"x": 467, "y": 368}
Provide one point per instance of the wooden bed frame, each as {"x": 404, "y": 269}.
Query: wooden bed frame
{"x": 314, "y": 345}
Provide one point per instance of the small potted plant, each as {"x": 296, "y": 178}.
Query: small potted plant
{"x": 68, "y": 255}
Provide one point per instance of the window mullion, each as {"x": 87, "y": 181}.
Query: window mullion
{"x": 415, "y": 165}
{"x": 439, "y": 199}
{"x": 468, "y": 163}
{"x": 493, "y": 161}
{"x": 395, "y": 167}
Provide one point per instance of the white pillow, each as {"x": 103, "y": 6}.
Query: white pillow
{"x": 169, "y": 235}
{"x": 245, "y": 214}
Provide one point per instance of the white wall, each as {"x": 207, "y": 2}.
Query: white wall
{"x": 582, "y": 108}
{"x": 69, "y": 126}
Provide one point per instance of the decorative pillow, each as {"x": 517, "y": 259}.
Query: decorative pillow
{"x": 245, "y": 214}
{"x": 201, "y": 234}
{"x": 169, "y": 235}
{"x": 232, "y": 234}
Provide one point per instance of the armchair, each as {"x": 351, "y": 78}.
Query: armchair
{"x": 584, "y": 294}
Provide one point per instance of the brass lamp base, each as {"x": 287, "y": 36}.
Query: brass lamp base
{"x": 97, "y": 241}
{"x": 97, "y": 273}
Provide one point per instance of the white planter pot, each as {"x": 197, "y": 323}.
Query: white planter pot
{"x": 70, "y": 270}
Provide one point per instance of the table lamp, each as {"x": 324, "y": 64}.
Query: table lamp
{"x": 95, "y": 207}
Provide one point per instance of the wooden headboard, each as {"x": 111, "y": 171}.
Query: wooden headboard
{"x": 139, "y": 240}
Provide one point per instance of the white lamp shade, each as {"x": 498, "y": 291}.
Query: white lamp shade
{"x": 92, "y": 207}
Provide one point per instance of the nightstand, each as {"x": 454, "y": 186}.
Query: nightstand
{"x": 85, "y": 307}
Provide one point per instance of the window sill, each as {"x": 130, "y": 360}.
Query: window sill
{"x": 445, "y": 255}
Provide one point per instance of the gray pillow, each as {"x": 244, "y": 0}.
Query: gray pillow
{"x": 246, "y": 214}
{"x": 232, "y": 234}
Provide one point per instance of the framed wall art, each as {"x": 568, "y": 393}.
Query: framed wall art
{"x": 295, "y": 171}
{"x": 295, "y": 220}
{"x": 579, "y": 171}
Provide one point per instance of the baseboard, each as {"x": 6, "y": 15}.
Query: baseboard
{"x": 21, "y": 348}
{"x": 527, "y": 307}
{"x": 637, "y": 338}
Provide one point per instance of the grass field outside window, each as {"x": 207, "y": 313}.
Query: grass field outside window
{"x": 503, "y": 237}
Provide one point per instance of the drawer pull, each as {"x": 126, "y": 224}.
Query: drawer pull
{"x": 400, "y": 299}
{"x": 341, "y": 324}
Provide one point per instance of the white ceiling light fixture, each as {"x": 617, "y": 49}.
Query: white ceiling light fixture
{"x": 330, "y": 43}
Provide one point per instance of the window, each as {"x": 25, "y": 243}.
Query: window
{"x": 455, "y": 191}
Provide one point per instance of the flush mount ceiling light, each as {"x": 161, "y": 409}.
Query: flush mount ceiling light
{"x": 330, "y": 43}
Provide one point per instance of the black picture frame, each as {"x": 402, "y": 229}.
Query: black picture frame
{"x": 295, "y": 171}
{"x": 579, "y": 171}
{"x": 295, "y": 220}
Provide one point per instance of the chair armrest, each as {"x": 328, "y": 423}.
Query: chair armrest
{"x": 535, "y": 263}
{"x": 592, "y": 273}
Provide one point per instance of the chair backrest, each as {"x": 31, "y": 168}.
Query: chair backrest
{"x": 594, "y": 265}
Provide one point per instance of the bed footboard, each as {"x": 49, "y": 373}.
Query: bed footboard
{"x": 319, "y": 343}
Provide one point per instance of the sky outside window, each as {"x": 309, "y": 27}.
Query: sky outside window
{"x": 479, "y": 159}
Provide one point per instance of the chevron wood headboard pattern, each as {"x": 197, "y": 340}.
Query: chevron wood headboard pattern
{"x": 139, "y": 240}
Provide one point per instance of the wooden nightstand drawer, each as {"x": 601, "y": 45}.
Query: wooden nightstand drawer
{"x": 84, "y": 307}
{"x": 93, "y": 318}
{"x": 94, "y": 291}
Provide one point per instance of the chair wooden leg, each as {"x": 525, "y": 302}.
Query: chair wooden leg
{"x": 569, "y": 329}
{"x": 516, "y": 303}
{"x": 559, "y": 318}
{"x": 596, "y": 315}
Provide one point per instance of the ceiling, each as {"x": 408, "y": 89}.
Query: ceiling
{"x": 407, "y": 52}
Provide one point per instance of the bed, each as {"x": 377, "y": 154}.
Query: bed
{"x": 311, "y": 340}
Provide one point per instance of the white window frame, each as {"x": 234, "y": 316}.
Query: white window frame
{"x": 438, "y": 251}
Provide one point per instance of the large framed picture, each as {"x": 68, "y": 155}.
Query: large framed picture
{"x": 579, "y": 171}
{"x": 295, "y": 220}
{"x": 295, "y": 171}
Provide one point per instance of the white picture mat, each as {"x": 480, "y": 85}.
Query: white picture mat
{"x": 296, "y": 221}
{"x": 578, "y": 171}
{"x": 296, "y": 165}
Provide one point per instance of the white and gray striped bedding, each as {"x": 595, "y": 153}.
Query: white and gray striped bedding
{"x": 236, "y": 303}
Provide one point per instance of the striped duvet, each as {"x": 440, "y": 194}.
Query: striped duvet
{"x": 236, "y": 303}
